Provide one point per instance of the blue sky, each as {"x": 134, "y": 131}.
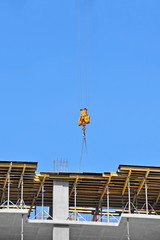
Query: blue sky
{"x": 40, "y": 82}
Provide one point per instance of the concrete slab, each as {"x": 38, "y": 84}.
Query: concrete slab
{"x": 141, "y": 227}
{"x": 10, "y": 223}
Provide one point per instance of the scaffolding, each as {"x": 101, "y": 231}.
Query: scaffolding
{"x": 132, "y": 189}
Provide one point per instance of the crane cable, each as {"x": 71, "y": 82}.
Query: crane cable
{"x": 84, "y": 141}
{"x": 84, "y": 94}
{"x": 83, "y": 123}
{"x": 87, "y": 53}
{"x": 79, "y": 59}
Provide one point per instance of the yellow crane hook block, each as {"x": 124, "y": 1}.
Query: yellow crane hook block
{"x": 84, "y": 117}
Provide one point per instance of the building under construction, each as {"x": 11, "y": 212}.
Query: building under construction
{"x": 84, "y": 206}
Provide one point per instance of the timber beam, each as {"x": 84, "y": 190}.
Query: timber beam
{"x": 158, "y": 197}
{"x": 37, "y": 195}
{"x": 104, "y": 190}
{"x": 20, "y": 180}
{"x": 75, "y": 182}
{"x": 6, "y": 179}
{"x": 141, "y": 185}
{"x": 126, "y": 182}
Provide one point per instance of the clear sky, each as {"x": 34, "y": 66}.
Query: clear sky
{"x": 40, "y": 96}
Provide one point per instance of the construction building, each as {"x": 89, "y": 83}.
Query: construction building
{"x": 79, "y": 206}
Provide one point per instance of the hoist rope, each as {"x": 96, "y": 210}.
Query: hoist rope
{"x": 80, "y": 160}
{"x": 87, "y": 53}
{"x": 87, "y": 78}
{"x": 79, "y": 59}
{"x": 83, "y": 84}
{"x": 87, "y": 154}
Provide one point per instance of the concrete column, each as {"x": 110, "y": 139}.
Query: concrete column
{"x": 60, "y": 209}
{"x": 60, "y": 200}
{"x": 61, "y": 232}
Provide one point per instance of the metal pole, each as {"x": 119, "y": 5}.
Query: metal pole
{"x": 107, "y": 203}
{"x": 146, "y": 196}
{"x": 22, "y": 228}
{"x": 8, "y": 189}
{"x": 4, "y": 195}
{"x": 75, "y": 200}
{"x": 42, "y": 199}
{"x": 136, "y": 203}
{"x": 123, "y": 203}
{"x": 22, "y": 191}
{"x": 101, "y": 211}
{"x": 129, "y": 196}
{"x": 18, "y": 197}
{"x": 128, "y": 235}
{"x": 35, "y": 207}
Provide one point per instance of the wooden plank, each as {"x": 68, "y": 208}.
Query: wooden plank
{"x": 140, "y": 169}
{"x": 18, "y": 165}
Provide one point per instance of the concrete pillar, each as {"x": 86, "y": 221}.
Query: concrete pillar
{"x": 60, "y": 209}
{"x": 61, "y": 232}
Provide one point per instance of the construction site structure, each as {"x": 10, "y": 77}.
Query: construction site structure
{"x": 62, "y": 205}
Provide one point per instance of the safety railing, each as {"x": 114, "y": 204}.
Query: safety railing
{"x": 8, "y": 204}
{"x": 76, "y": 217}
{"x": 110, "y": 218}
{"x": 131, "y": 209}
{"x": 89, "y": 218}
{"x": 42, "y": 215}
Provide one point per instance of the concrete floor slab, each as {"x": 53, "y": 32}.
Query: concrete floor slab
{"x": 141, "y": 227}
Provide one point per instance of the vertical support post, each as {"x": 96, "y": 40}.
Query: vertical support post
{"x": 22, "y": 191}
{"x": 136, "y": 203}
{"x": 108, "y": 203}
{"x": 75, "y": 201}
{"x": 129, "y": 196}
{"x": 146, "y": 196}
{"x": 128, "y": 234}
{"x": 101, "y": 211}
{"x": 22, "y": 233}
{"x": 18, "y": 200}
{"x": 35, "y": 213}
{"x": 123, "y": 203}
{"x": 42, "y": 200}
{"x": 8, "y": 189}
{"x": 4, "y": 195}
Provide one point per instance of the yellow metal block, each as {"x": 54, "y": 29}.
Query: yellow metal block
{"x": 84, "y": 117}
{"x": 79, "y": 122}
{"x": 87, "y": 119}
